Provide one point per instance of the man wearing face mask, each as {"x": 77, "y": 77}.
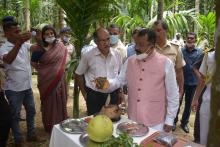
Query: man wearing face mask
{"x": 115, "y": 41}
{"x": 191, "y": 55}
{"x": 65, "y": 36}
{"x": 153, "y": 97}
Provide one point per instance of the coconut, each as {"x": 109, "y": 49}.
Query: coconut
{"x": 100, "y": 128}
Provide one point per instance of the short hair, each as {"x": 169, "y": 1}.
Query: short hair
{"x": 95, "y": 34}
{"x": 45, "y": 28}
{"x": 136, "y": 30}
{"x": 8, "y": 25}
{"x": 163, "y": 24}
{"x": 114, "y": 26}
{"x": 151, "y": 35}
{"x": 192, "y": 33}
{"x": 8, "y": 19}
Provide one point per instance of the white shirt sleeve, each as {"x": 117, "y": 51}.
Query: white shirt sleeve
{"x": 120, "y": 80}
{"x": 203, "y": 67}
{"x": 28, "y": 45}
{"x": 83, "y": 65}
{"x": 172, "y": 93}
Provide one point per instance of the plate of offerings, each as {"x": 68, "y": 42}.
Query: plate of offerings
{"x": 73, "y": 126}
{"x": 133, "y": 129}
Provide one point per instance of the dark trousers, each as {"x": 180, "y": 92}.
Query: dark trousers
{"x": 5, "y": 120}
{"x": 189, "y": 93}
{"x": 196, "y": 133}
{"x": 95, "y": 100}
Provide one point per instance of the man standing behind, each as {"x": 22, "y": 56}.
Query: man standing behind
{"x": 191, "y": 54}
{"x": 65, "y": 36}
{"x": 153, "y": 97}
{"x": 170, "y": 50}
{"x": 15, "y": 55}
{"x": 115, "y": 41}
{"x": 101, "y": 62}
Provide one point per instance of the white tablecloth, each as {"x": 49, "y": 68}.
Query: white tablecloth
{"x": 62, "y": 139}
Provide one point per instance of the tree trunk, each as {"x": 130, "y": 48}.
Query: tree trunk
{"x": 214, "y": 127}
{"x": 197, "y": 4}
{"x": 27, "y": 15}
{"x": 76, "y": 100}
{"x": 160, "y": 10}
{"x": 61, "y": 18}
{"x": 4, "y": 4}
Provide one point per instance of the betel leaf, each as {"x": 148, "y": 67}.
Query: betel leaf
{"x": 123, "y": 140}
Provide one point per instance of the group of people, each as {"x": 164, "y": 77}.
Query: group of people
{"x": 49, "y": 58}
{"x": 155, "y": 72}
{"x": 158, "y": 73}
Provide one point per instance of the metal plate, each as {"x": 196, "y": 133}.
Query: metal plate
{"x": 133, "y": 129}
{"x": 73, "y": 126}
{"x": 83, "y": 139}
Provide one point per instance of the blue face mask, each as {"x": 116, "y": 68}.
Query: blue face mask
{"x": 114, "y": 39}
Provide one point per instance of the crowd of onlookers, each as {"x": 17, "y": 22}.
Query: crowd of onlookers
{"x": 152, "y": 75}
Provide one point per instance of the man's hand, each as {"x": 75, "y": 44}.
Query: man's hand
{"x": 194, "y": 104}
{"x": 167, "y": 128}
{"x": 23, "y": 38}
{"x": 84, "y": 95}
{"x": 121, "y": 97}
{"x": 101, "y": 83}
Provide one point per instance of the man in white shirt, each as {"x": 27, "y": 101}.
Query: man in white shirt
{"x": 115, "y": 41}
{"x": 18, "y": 89}
{"x": 101, "y": 61}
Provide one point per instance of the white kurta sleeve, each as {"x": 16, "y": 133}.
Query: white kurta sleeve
{"x": 120, "y": 80}
{"x": 172, "y": 93}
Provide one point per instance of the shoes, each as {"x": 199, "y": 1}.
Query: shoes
{"x": 174, "y": 127}
{"x": 185, "y": 128}
{"x": 35, "y": 138}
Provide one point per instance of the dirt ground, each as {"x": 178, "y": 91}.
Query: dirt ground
{"x": 39, "y": 127}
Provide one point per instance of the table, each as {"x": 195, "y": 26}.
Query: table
{"x": 62, "y": 139}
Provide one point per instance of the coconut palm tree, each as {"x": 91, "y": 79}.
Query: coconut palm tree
{"x": 80, "y": 16}
{"x": 214, "y": 127}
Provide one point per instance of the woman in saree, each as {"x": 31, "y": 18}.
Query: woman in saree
{"x": 51, "y": 79}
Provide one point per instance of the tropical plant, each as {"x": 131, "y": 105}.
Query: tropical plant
{"x": 207, "y": 26}
{"x": 81, "y": 15}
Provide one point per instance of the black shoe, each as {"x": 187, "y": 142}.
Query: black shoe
{"x": 185, "y": 128}
{"x": 174, "y": 127}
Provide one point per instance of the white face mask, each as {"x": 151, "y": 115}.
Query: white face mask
{"x": 114, "y": 39}
{"x": 50, "y": 40}
{"x": 142, "y": 56}
{"x": 66, "y": 39}
{"x": 33, "y": 33}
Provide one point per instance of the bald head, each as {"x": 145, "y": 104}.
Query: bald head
{"x": 102, "y": 39}
{"x": 97, "y": 33}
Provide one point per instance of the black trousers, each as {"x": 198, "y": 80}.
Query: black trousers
{"x": 5, "y": 120}
{"x": 189, "y": 93}
{"x": 95, "y": 100}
